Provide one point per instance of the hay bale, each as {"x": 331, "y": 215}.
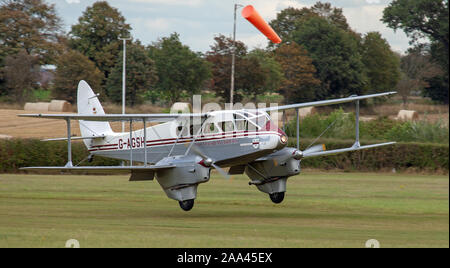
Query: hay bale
{"x": 183, "y": 107}
{"x": 5, "y": 137}
{"x": 367, "y": 118}
{"x": 407, "y": 115}
{"x": 60, "y": 106}
{"x": 38, "y": 106}
{"x": 304, "y": 112}
{"x": 27, "y": 106}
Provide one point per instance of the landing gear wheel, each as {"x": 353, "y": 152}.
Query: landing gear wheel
{"x": 187, "y": 205}
{"x": 277, "y": 197}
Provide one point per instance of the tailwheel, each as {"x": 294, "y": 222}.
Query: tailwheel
{"x": 277, "y": 197}
{"x": 187, "y": 205}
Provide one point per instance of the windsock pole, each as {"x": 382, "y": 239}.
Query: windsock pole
{"x": 250, "y": 14}
{"x": 233, "y": 56}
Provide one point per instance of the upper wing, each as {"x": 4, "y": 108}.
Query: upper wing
{"x": 325, "y": 102}
{"x": 116, "y": 117}
{"x": 170, "y": 117}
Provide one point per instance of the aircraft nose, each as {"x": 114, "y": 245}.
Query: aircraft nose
{"x": 282, "y": 141}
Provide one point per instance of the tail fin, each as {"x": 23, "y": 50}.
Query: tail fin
{"x": 88, "y": 104}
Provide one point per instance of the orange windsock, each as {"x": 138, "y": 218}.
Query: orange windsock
{"x": 250, "y": 13}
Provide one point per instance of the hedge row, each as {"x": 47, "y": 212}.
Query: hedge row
{"x": 342, "y": 125}
{"x": 18, "y": 153}
{"x": 426, "y": 157}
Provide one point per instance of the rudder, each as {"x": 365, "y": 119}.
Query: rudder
{"x": 89, "y": 104}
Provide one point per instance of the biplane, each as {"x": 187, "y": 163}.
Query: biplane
{"x": 179, "y": 150}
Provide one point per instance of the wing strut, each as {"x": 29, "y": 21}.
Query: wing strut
{"x": 178, "y": 138}
{"x": 131, "y": 143}
{"x": 298, "y": 129}
{"x": 145, "y": 141}
{"x": 69, "y": 144}
{"x": 357, "y": 144}
{"x": 194, "y": 138}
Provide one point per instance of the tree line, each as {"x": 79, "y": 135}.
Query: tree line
{"x": 320, "y": 56}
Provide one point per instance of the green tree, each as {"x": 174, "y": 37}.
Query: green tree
{"x": 3, "y": 89}
{"x": 96, "y": 35}
{"x": 381, "y": 63}
{"x": 417, "y": 69}
{"x": 255, "y": 81}
{"x": 299, "y": 83}
{"x": 334, "y": 47}
{"x": 422, "y": 19}
{"x": 288, "y": 19}
{"x": 332, "y": 14}
{"x": 179, "y": 69}
{"x": 269, "y": 75}
{"x": 31, "y": 26}
{"x": 285, "y": 23}
{"x": 220, "y": 58}
{"x": 71, "y": 67}
{"x": 425, "y": 19}
{"x": 21, "y": 74}
{"x": 141, "y": 76}
{"x": 437, "y": 89}
{"x": 255, "y": 73}
{"x": 335, "y": 55}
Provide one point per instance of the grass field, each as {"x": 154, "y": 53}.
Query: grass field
{"x": 320, "y": 210}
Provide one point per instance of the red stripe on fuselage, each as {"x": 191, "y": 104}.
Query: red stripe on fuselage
{"x": 189, "y": 139}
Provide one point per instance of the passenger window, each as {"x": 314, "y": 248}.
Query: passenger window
{"x": 210, "y": 128}
{"x": 182, "y": 131}
{"x": 227, "y": 126}
{"x": 241, "y": 125}
{"x": 191, "y": 130}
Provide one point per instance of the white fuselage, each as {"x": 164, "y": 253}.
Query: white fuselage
{"x": 227, "y": 140}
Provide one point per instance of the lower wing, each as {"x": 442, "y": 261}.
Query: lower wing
{"x": 350, "y": 149}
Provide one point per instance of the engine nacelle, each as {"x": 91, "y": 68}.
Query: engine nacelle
{"x": 270, "y": 173}
{"x": 180, "y": 183}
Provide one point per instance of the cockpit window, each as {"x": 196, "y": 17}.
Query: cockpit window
{"x": 250, "y": 120}
{"x": 259, "y": 120}
{"x": 236, "y": 121}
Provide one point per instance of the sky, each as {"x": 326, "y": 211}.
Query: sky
{"x": 199, "y": 21}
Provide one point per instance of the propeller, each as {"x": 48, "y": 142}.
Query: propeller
{"x": 314, "y": 149}
{"x": 298, "y": 155}
{"x": 208, "y": 162}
